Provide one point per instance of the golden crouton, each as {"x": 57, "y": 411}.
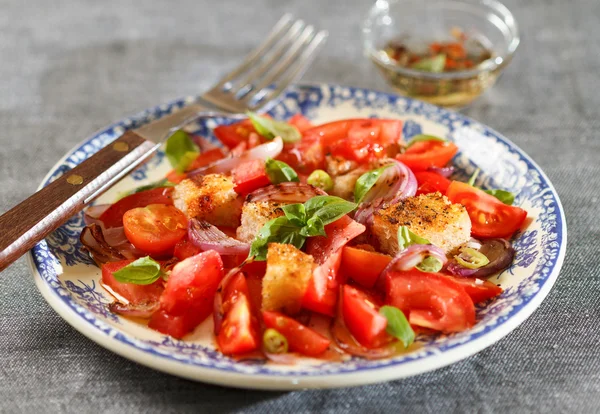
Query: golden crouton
{"x": 431, "y": 216}
{"x": 211, "y": 198}
{"x": 343, "y": 185}
{"x": 338, "y": 165}
{"x": 288, "y": 272}
{"x": 255, "y": 215}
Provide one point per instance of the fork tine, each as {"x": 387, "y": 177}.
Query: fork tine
{"x": 302, "y": 48}
{"x": 258, "y": 52}
{"x": 279, "y": 50}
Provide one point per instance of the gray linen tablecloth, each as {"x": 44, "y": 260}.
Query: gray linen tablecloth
{"x": 70, "y": 67}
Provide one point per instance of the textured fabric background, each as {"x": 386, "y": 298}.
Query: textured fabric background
{"x": 70, "y": 67}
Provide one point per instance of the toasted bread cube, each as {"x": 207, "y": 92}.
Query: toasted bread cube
{"x": 255, "y": 215}
{"x": 288, "y": 272}
{"x": 343, "y": 185}
{"x": 211, "y": 198}
{"x": 431, "y": 216}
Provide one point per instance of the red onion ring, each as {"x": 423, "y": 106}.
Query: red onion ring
{"x": 207, "y": 237}
{"x": 285, "y": 193}
{"x": 410, "y": 257}
{"x": 270, "y": 149}
{"x": 443, "y": 171}
{"x": 500, "y": 254}
{"x": 143, "y": 310}
{"x": 108, "y": 245}
{"x": 92, "y": 214}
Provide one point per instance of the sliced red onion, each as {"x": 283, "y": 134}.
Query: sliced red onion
{"x": 270, "y": 149}
{"x": 207, "y": 237}
{"x": 92, "y": 214}
{"x": 100, "y": 251}
{"x": 114, "y": 236}
{"x": 410, "y": 257}
{"x": 443, "y": 171}
{"x": 287, "y": 358}
{"x": 144, "y": 310}
{"x": 285, "y": 193}
{"x": 499, "y": 252}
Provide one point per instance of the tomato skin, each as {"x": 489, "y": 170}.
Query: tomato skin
{"x": 301, "y": 339}
{"x": 206, "y": 158}
{"x": 422, "y": 155}
{"x": 185, "y": 248}
{"x": 478, "y": 290}
{"x": 362, "y": 266}
{"x": 113, "y": 216}
{"x": 250, "y": 176}
{"x": 430, "y": 182}
{"x": 234, "y": 134}
{"x": 489, "y": 216}
{"x": 430, "y": 300}
{"x": 156, "y": 228}
{"x": 189, "y": 294}
{"x": 239, "y": 329}
{"x": 135, "y": 294}
{"x": 304, "y": 156}
{"x": 362, "y": 318}
{"x": 300, "y": 122}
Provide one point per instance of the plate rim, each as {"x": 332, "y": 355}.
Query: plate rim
{"x": 290, "y": 382}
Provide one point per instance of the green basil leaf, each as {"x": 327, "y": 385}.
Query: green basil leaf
{"x": 143, "y": 271}
{"x": 407, "y": 238}
{"x": 295, "y": 213}
{"x": 279, "y": 230}
{"x": 471, "y": 181}
{"x": 430, "y": 264}
{"x": 397, "y": 325}
{"x": 314, "y": 227}
{"x": 178, "y": 150}
{"x": 433, "y": 64}
{"x": 366, "y": 181}
{"x": 506, "y": 197}
{"x": 328, "y": 208}
{"x": 280, "y": 172}
{"x": 423, "y": 137}
{"x": 270, "y": 128}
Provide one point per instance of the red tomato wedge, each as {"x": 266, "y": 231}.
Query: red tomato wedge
{"x": 362, "y": 318}
{"x": 489, "y": 216}
{"x": 300, "y": 122}
{"x": 185, "y": 248}
{"x": 189, "y": 294}
{"x": 363, "y": 266}
{"x": 322, "y": 291}
{"x": 430, "y": 182}
{"x": 301, "y": 339}
{"x": 479, "y": 290}
{"x": 430, "y": 300}
{"x": 113, "y": 216}
{"x": 304, "y": 156}
{"x": 250, "y": 176}
{"x": 156, "y": 228}
{"x": 207, "y": 157}
{"x": 239, "y": 329}
{"x": 135, "y": 294}
{"x": 425, "y": 154}
{"x": 232, "y": 135}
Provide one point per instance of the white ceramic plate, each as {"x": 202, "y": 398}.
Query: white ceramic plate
{"x": 69, "y": 281}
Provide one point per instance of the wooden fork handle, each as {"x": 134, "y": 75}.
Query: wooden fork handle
{"x": 29, "y": 222}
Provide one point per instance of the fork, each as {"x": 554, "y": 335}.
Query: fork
{"x": 254, "y": 85}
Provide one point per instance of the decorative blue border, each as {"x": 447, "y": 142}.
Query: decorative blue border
{"x": 541, "y": 246}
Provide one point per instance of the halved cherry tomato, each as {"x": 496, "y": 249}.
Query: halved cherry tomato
{"x": 479, "y": 290}
{"x": 489, "y": 216}
{"x": 189, "y": 294}
{"x": 300, "y": 122}
{"x": 250, "y": 176}
{"x": 156, "y": 228}
{"x": 322, "y": 291}
{"x": 234, "y": 134}
{"x": 113, "y": 216}
{"x": 135, "y": 294}
{"x": 239, "y": 331}
{"x": 185, "y": 248}
{"x": 430, "y": 182}
{"x": 301, "y": 339}
{"x": 425, "y": 154}
{"x": 362, "y": 266}
{"x": 362, "y": 318}
{"x": 430, "y": 300}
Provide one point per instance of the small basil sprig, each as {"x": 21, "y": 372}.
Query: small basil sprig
{"x": 424, "y": 137}
{"x": 434, "y": 64}
{"x": 366, "y": 181}
{"x": 407, "y": 238}
{"x": 504, "y": 196}
{"x": 181, "y": 150}
{"x": 143, "y": 271}
{"x": 397, "y": 325}
{"x": 270, "y": 128}
{"x": 299, "y": 222}
{"x": 280, "y": 172}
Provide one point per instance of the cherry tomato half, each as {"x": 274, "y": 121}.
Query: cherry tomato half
{"x": 113, "y": 216}
{"x": 156, "y": 228}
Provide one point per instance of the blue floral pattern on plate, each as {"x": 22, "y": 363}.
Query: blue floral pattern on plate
{"x": 68, "y": 279}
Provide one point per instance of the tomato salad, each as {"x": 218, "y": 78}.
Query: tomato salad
{"x": 298, "y": 239}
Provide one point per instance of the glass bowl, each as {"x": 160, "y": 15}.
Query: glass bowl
{"x": 488, "y": 21}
